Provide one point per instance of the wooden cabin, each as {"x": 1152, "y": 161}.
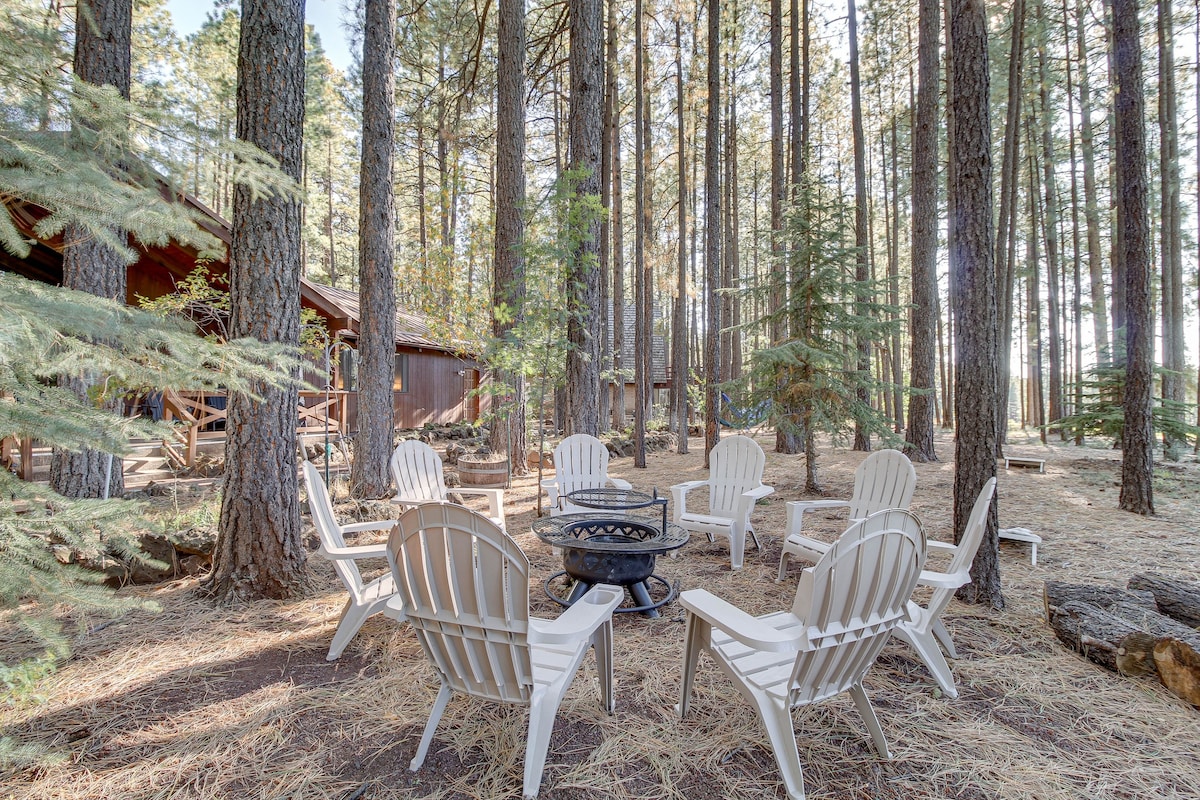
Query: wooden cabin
{"x": 433, "y": 379}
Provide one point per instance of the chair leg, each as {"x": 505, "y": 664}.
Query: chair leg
{"x": 943, "y": 636}
{"x": 353, "y": 616}
{"x": 783, "y": 565}
{"x": 542, "y": 709}
{"x": 602, "y": 645}
{"x": 737, "y": 548}
{"x": 435, "y": 715}
{"x": 754, "y": 536}
{"x": 872, "y": 722}
{"x": 931, "y": 654}
{"x": 695, "y": 638}
{"x": 777, "y": 719}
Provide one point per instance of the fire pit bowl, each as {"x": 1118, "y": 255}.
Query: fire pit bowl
{"x": 616, "y": 550}
{"x": 586, "y": 558}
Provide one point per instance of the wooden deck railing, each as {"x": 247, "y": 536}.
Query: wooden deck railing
{"x": 205, "y": 413}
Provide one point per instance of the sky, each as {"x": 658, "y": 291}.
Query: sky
{"x": 324, "y": 15}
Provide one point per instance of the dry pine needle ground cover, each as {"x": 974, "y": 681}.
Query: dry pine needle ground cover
{"x": 202, "y": 702}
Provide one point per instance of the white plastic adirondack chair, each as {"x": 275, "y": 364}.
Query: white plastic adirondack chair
{"x": 885, "y": 479}
{"x": 845, "y": 609}
{"x": 734, "y": 485}
{"x": 924, "y": 627}
{"x": 464, "y": 587}
{"x": 365, "y": 598}
{"x": 417, "y": 471}
{"x": 580, "y": 462}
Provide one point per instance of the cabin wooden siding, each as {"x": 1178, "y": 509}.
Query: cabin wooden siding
{"x": 436, "y": 393}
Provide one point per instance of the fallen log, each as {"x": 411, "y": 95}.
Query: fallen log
{"x": 1176, "y": 598}
{"x": 1128, "y": 636}
{"x": 1109, "y": 640}
{"x": 1057, "y": 593}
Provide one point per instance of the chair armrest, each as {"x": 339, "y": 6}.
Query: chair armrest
{"x": 394, "y": 608}
{"x": 620, "y": 483}
{"x": 355, "y": 552}
{"x": 731, "y": 620}
{"x": 945, "y": 547}
{"x": 943, "y": 580}
{"x": 495, "y": 498}
{"x": 679, "y": 497}
{"x": 759, "y": 492}
{"x": 579, "y": 621}
{"x": 550, "y": 487}
{"x": 377, "y": 525}
{"x": 796, "y": 509}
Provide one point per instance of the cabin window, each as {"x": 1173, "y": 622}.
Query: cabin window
{"x": 400, "y": 382}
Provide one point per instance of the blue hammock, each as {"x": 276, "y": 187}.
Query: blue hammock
{"x": 741, "y": 417}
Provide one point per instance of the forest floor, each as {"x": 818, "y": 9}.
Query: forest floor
{"x": 201, "y": 702}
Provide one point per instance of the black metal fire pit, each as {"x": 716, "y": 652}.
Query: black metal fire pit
{"x": 616, "y": 550}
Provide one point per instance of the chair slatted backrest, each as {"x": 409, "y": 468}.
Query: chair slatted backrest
{"x": 850, "y": 602}
{"x": 580, "y": 462}
{"x": 968, "y": 545}
{"x": 885, "y": 479}
{"x": 465, "y": 588}
{"x": 736, "y": 466}
{"x": 417, "y": 471}
{"x": 329, "y": 533}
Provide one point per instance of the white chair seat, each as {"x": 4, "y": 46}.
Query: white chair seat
{"x": 734, "y": 486}
{"x": 885, "y": 479}
{"x": 845, "y": 609}
{"x": 365, "y": 599}
{"x": 580, "y": 462}
{"x": 464, "y": 588}
{"x": 417, "y": 471}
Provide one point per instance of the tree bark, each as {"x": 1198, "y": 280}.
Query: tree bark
{"x": 679, "y": 349}
{"x": 923, "y": 317}
{"x": 1050, "y": 230}
{"x": 618, "y": 230}
{"x": 103, "y": 29}
{"x": 974, "y": 290}
{"x": 508, "y": 432}
{"x": 862, "y": 264}
{"x": 643, "y": 220}
{"x": 1137, "y": 441}
{"x": 712, "y": 232}
{"x": 1091, "y": 210}
{"x": 1173, "y": 346}
{"x": 583, "y": 275}
{"x": 370, "y": 476}
{"x": 259, "y": 551}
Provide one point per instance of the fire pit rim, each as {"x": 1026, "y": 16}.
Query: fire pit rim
{"x": 553, "y": 531}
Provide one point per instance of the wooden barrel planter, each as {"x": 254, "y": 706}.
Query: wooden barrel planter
{"x": 486, "y": 471}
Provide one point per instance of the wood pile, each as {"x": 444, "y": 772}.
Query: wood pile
{"x": 1147, "y": 628}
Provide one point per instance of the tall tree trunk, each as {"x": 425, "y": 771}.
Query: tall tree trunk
{"x": 259, "y": 550}
{"x": 895, "y": 353}
{"x": 679, "y": 349}
{"x": 1076, "y": 239}
{"x": 1006, "y": 228}
{"x": 607, "y": 323}
{"x": 1033, "y": 299}
{"x": 862, "y": 268}
{"x": 618, "y": 229}
{"x": 1050, "y": 230}
{"x": 1116, "y": 259}
{"x": 369, "y": 471}
{"x": 974, "y": 294}
{"x": 1174, "y": 355}
{"x": 102, "y": 39}
{"x": 583, "y": 274}
{"x": 923, "y": 317}
{"x": 1137, "y": 441}
{"x": 1091, "y": 206}
{"x": 712, "y": 232}
{"x": 778, "y": 268}
{"x": 644, "y": 218}
{"x": 508, "y": 433}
